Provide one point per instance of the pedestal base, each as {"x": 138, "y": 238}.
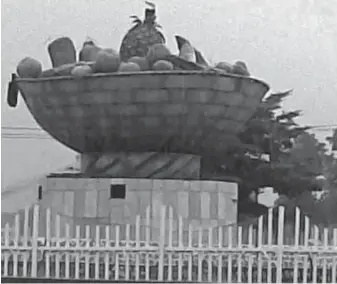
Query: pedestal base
{"x": 87, "y": 201}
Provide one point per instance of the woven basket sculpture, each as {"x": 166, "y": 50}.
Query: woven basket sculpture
{"x": 177, "y": 111}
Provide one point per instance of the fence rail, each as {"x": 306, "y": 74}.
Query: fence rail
{"x": 182, "y": 253}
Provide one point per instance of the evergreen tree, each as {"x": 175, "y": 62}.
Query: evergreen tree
{"x": 293, "y": 164}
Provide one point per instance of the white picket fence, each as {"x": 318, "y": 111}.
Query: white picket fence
{"x": 216, "y": 254}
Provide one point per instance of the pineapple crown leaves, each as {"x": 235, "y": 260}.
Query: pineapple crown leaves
{"x": 157, "y": 26}
{"x": 153, "y": 6}
{"x": 150, "y": 13}
{"x": 136, "y": 20}
{"x": 150, "y": 18}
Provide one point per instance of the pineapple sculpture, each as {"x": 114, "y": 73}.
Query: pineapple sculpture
{"x": 142, "y": 35}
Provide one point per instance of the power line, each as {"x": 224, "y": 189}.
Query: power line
{"x": 20, "y": 128}
{"x": 26, "y": 132}
{"x": 26, "y": 137}
{"x": 313, "y": 126}
{"x": 328, "y": 126}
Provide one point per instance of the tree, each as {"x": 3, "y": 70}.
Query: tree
{"x": 322, "y": 210}
{"x": 294, "y": 155}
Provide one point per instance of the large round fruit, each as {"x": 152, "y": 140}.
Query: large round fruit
{"x": 109, "y": 50}
{"x": 240, "y": 68}
{"x": 29, "y": 68}
{"x": 224, "y": 66}
{"x": 107, "y": 62}
{"x": 82, "y": 70}
{"x": 163, "y": 65}
{"x": 157, "y": 52}
{"x": 129, "y": 67}
{"x": 142, "y": 62}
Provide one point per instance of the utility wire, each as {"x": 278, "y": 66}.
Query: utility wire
{"x": 26, "y": 137}
{"x": 25, "y": 132}
{"x": 20, "y": 128}
{"x": 330, "y": 126}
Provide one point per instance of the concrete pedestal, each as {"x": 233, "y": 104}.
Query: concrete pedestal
{"x": 87, "y": 201}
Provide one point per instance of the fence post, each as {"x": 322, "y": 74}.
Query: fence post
{"x": 162, "y": 244}
{"x": 280, "y": 237}
{"x": 35, "y": 235}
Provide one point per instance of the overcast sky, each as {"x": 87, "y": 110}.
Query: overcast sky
{"x": 288, "y": 43}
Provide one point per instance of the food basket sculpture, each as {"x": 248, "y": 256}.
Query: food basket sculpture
{"x": 170, "y": 111}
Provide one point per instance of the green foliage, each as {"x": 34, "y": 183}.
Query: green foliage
{"x": 295, "y": 156}
{"x": 322, "y": 211}
{"x": 330, "y": 173}
{"x": 296, "y": 159}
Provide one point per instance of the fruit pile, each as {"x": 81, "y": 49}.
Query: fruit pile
{"x": 143, "y": 48}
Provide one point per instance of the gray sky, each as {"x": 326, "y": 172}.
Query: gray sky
{"x": 288, "y": 43}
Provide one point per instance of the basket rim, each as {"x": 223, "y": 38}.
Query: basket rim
{"x": 142, "y": 73}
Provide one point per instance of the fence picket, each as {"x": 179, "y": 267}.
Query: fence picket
{"x": 162, "y": 243}
{"x": 315, "y": 241}
{"x": 107, "y": 253}
{"x": 137, "y": 236}
{"x": 270, "y": 243}
{"x": 77, "y": 258}
{"x": 210, "y": 256}
{"x": 306, "y": 243}
{"x": 35, "y": 236}
{"x": 57, "y": 242}
{"x": 117, "y": 240}
{"x": 26, "y": 243}
{"x": 230, "y": 260}
{"x": 15, "y": 264}
{"x": 190, "y": 246}
{"x": 87, "y": 255}
{"x": 259, "y": 244}
{"x": 97, "y": 245}
{"x": 239, "y": 261}
{"x": 220, "y": 264}
{"x": 17, "y": 244}
{"x": 170, "y": 243}
{"x": 67, "y": 257}
{"x": 26, "y": 226}
{"x": 147, "y": 241}
{"x": 6, "y": 243}
{"x": 16, "y": 230}
{"x": 47, "y": 243}
{"x": 250, "y": 258}
{"x": 127, "y": 253}
{"x": 181, "y": 245}
{"x": 296, "y": 242}
{"x": 325, "y": 244}
{"x": 297, "y": 227}
{"x": 280, "y": 243}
